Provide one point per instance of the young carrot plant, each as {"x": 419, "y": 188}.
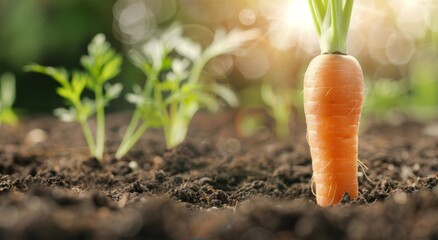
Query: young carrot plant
{"x": 333, "y": 96}
{"x": 173, "y": 91}
{"x": 7, "y": 99}
{"x": 413, "y": 97}
{"x": 280, "y": 102}
{"x": 423, "y": 80}
{"x": 386, "y": 99}
{"x": 101, "y": 64}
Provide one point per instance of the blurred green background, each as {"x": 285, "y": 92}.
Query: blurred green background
{"x": 49, "y": 32}
{"x": 396, "y": 42}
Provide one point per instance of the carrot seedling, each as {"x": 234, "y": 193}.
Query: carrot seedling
{"x": 101, "y": 64}
{"x": 423, "y": 85}
{"x": 173, "y": 91}
{"x": 333, "y": 99}
{"x": 280, "y": 103}
{"x": 386, "y": 100}
{"x": 7, "y": 99}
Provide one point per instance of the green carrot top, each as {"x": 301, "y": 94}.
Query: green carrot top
{"x": 332, "y": 20}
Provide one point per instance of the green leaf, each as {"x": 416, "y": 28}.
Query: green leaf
{"x": 172, "y": 36}
{"x": 186, "y": 91}
{"x": 154, "y": 52}
{"x": 88, "y": 63}
{"x": 228, "y": 42}
{"x": 88, "y": 108}
{"x": 7, "y": 90}
{"x": 112, "y": 91}
{"x": 152, "y": 114}
{"x": 98, "y": 46}
{"x": 102, "y": 62}
{"x": 140, "y": 61}
{"x": 67, "y": 94}
{"x": 207, "y": 100}
{"x": 226, "y": 94}
{"x": 169, "y": 85}
{"x": 78, "y": 83}
{"x": 66, "y": 115}
{"x": 188, "y": 49}
{"x": 7, "y": 99}
{"x": 58, "y": 74}
{"x": 135, "y": 99}
{"x": 111, "y": 69}
{"x": 191, "y": 87}
{"x": 180, "y": 68}
{"x": 167, "y": 63}
{"x": 8, "y": 116}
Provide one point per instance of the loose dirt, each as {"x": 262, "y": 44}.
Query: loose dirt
{"x": 214, "y": 186}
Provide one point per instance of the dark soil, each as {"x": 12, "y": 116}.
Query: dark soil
{"x": 214, "y": 186}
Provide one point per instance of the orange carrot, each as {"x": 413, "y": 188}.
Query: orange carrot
{"x": 333, "y": 98}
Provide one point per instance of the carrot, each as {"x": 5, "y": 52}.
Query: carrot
{"x": 333, "y": 99}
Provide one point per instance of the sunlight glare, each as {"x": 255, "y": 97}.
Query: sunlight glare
{"x": 291, "y": 23}
{"x": 298, "y": 15}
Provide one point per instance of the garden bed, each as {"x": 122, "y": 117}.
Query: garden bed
{"x": 214, "y": 186}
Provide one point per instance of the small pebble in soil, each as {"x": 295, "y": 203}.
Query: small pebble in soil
{"x": 431, "y": 130}
{"x": 406, "y": 173}
{"x": 160, "y": 176}
{"x": 133, "y": 165}
{"x": 35, "y": 136}
{"x": 205, "y": 180}
{"x": 158, "y": 162}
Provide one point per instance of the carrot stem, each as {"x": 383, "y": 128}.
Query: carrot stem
{"x": 332, "y": 20}
{"x": 348, "y": 8}
{"x": 316, "y": 18}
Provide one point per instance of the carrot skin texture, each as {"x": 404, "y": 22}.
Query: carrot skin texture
{"x": 333, "y": 98}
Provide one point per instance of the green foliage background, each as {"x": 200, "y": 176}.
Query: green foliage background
{"x": 56, "y": 33}
{"x": 49, "y": 32}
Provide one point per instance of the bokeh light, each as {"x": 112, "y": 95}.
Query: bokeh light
{"x": 385, "y": 36}
{"x": 253, "y": 64}
{"x": 290, "y": 24}
{"x": 137, "y": 20}
{"x": 393, "y": 46}
{"x": 412, "y": 17}
{"x": 247, "y": 16}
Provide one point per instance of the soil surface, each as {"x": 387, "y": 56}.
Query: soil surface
{"x": 214, "y": 186}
